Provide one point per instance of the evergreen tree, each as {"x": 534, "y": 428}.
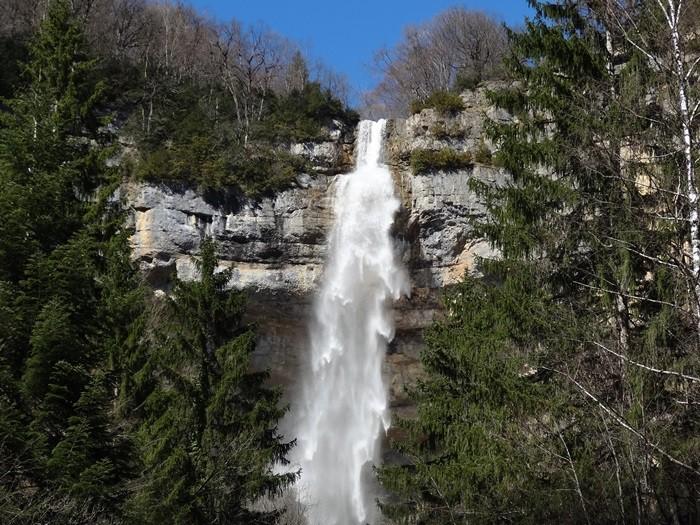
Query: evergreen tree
{"x": 209, "y": 430}
{"x": 66, "y": 458}
{"x": 535, "y": 408}
{"x": 47, "y": 164}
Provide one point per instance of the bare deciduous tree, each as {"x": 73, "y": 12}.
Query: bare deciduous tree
{"x": 457, "y": 45}
{"x": 249, "y": 61}
{"x": 473, "y": 41}
{"x": 332, "y": 81}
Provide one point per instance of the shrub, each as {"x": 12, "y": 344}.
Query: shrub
{"x": 445, "y": 102}
{"x": 483, "y": 154}
{"x": 466, "y": 82}
{"x": 190, "y": 141}
{"x": 257, "y": 170}
{"x": 439, "y": 131}
{"x": 443, "y": 131}
{"x": 196, "y": 159}
{"x": 301, "y": 115}
{"x": 425, "y": 161}
{"x": 265, "y": 171}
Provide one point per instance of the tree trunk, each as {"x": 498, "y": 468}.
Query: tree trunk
{"x": 691, "y": 187}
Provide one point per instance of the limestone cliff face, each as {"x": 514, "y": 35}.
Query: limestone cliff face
{"x": 435, "y": 223}
{"x": 273, "y": 244}
{"x": 276, "y": 245}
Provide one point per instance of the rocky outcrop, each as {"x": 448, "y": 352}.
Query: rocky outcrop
{"x": 331, "y": 155}
{"x": 435, "y": 224}
{"x": 463, "y": 131}
{"x": 276, "y": 245}
{"x": 273, "y": 244}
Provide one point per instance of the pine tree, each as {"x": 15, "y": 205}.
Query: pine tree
{"x": 47, "y": 164}
{"x": 209, "y": 430}
{"x": 533, "y": 409}
{"x": 462, "y": 446}
{"x": 66, "y": 458}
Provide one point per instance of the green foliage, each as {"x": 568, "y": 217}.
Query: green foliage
{"x": 466, "y": 435}
{"x": 189, "y": 144}
{"x": 444, "y": 102}
{"x": 58, "y": 103}
{"x": 301, "y": 115}
{"x": 445, "y": 130}
{"x": 13, "y": 52}
{"x": 197, "y": 159}
{"x": 483, "y": 154}
{"x": 209, "y": 431}
{"x": 466, "y": 82}
{"x": 47, "y": 166}
{"x": 259, "y": 170}
{"x": 525, "y": 415}
{"x": 266, "y": 171}
{"x": 115, "y": 406}
{"x": 447, "y": 159}
{"x": 439, "y": 131}
{"x": 65, "y": 456}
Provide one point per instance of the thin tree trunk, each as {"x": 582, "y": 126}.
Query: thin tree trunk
{"x": 150, "y": 116}
{"x": 691, "y": 187}
{"x": 575, "y": 476}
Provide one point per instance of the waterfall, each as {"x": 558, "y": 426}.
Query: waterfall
{"x": 344, "y": 410}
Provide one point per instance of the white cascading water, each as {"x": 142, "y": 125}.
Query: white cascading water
{"x": 344, "y": 409}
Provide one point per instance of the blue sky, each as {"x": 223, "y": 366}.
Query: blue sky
{"x": 346, "y": 34}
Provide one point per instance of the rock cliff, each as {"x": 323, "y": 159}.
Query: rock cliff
{"x": 276, "y": 245}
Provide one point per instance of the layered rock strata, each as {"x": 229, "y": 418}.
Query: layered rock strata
{"x": 276, "y": 245}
